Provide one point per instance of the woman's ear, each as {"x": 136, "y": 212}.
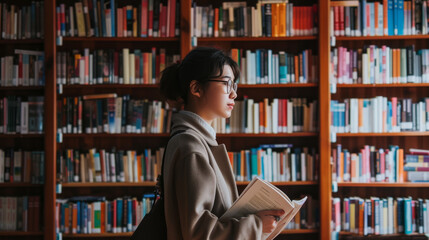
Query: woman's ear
{"x": 195, "y": 88}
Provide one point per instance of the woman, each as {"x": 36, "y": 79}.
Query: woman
{"x": 199, "y": 185}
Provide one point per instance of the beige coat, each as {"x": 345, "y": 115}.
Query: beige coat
{"x": 200, "y": 186}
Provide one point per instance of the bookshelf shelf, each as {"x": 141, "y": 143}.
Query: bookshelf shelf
{"x": 397, "y": 85}
{"x": 20, "y": 185}
{"x": 109, "y": 184}
{"x": 381, "y": 236}
{"x": 255, "y": 39}
{"x": 23, "y": 88}
{"x": 21, "y": 41}
{"x": 296, "y": 183}
{"x": 121, "y": 39}
{"x": 164, "y": 135}
{"x": 114, "y": 235}
{"x": 382, "y": 38}
{"x": 19, "y": 234}
{"x": 384, "y": 185}
{"x": 395, "y": 134}
{"x": 32, "y": 135}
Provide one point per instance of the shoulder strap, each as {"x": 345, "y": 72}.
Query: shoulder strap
{"x": 161, "y": 176}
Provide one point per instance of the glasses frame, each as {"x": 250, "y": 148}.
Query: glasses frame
{"x": 230, "y": 85}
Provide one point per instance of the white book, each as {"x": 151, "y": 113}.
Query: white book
{"x": 293, "y": 167}
{"x": 86, "y": 67}
{"x": 72, "y": 29}
{"x": 263, "y": 195}
{"x": 24, "y": 117}
{"x": 91, "y": 79}
{"x": 132, "y": 68}
{"x": 289, "y": 116}
{"x": 275, "y": 118}
{"x": 112, "y": 160}
{"x": 256, "y": 118}
{"x": 2, "y": 163}
{"x": 250, "y": 116}
{"x": 270, "y": 66}
{"x": 82, "y": 70}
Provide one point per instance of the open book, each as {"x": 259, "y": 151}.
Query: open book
{"x": 261, "y": 195}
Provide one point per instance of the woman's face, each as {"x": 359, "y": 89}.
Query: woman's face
{"x": 217, "y": 101}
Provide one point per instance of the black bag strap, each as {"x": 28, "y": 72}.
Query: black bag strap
{"x": 161, "y": 175}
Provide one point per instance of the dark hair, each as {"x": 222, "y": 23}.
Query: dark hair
{"x": 201, "y": 64}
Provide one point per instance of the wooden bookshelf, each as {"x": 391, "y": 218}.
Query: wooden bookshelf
{"x": 383, "y": 38}
{"x": 255, "y": 39}
{"x": 396, "y": 85}
{"x": 121, "y": 39}
{"x": 383, "y": 185}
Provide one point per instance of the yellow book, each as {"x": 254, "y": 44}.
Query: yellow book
{"x": 81, "y": 32}
{"x": 282, "y": 20}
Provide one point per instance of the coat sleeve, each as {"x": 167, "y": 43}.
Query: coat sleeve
{"x": 195, "y": 183}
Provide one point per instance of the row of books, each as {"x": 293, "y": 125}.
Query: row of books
{"x": 20, "y": 213}
{"x": 102, "y": 18}
{"x": 263, "y": 66}
{"x": 107, "y": 66}
{"x": 380, "y": 216}
{"x": 25, "y": 68}
{"x": 270, "y": 116}
{"x": 22, "y": 22}
{"x": 22, "y": 166}
{"x": 107, "y": 113}
{"x": 379, "y": 114}
{"x": 387, "y": 17}
{"x": 236, "y": 19}
{"x": 276, "y": 163}
{"x": 21, "y": 114}
{"x": 368, "y": 165}
{"x": 85, "y": 214}
{"x": 417, "y": 165}
{"x": 374, "y": 65}
{"x": 108, "y": 166}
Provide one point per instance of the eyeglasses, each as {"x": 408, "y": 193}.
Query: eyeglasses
{"x": 229, "y": 85}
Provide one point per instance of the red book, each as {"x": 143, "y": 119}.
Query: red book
{"x": 150, "y": 21}
{"x": 342, "y": 29}
{"x": 134, "y": 212}
{"x": 114, "y": 216}
{"x": 171, "y": 17}
{"x": 336, "y": 21}
{"x": 58, "y": 22}
{"x": 164, "y": 21}
{"x": 120, "y": 22}
{"x": 144, "y": 18}
{"x": 124, "y": 22}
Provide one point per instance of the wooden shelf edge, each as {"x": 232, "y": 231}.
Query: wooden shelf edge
{"x": 121, "y": 39}
{"x": 246, "y": 39}
{"x": 402, "y": 37}
{"x": 109, "y": 184}
{"x": 300, "y": 231}
{"x": 20, "y": 185}
{"x": 395, "y": 134}
{"x": 133, "y": 86}
{"x": 384, "y": 85}
{"x": 384, "y": 235}
{"x": 30, "y": 135}
{"x": 219, "y": 135}
{"x": 384, "y": 185}
{"x": 21, "y": 88}
{"x": 19, "y": 233}
{"x": 21, "y": 41}
{"x": 290, "y": 183}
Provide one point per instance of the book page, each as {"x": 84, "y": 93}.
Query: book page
{"x": 261, "y": 195}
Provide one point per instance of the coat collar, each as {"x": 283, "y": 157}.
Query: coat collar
{"x": 183, "y": 121}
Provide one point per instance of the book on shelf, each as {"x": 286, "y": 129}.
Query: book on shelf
{"x": 275, "y": 164}
{"x": 108, "y": 166}
{"x": 379, "y": 65}
{"x": 368, "y": 165}
{"x": 20, "y": 213}
{"x": 380, "y": 216}
{"x": 261, "y": 195}
{"x": 380, "y": 18}
{"x": 24, "y": 68}
{"x": 270, "y": 116}
{"x": 102, "y": 18}
{"x": 109, "y": 66}
{"x": 265, "y": 19}
{"x": 17, "y": 166}
{"x": 379, "y": 115}
{"x": 417, "y": 165}
{"x": 264, "y": 66}
{"x": 112, "y": 114}
{"x": 22, "y": 22}
{"x": 21, "y": 114}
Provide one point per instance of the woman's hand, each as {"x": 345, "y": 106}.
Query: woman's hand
{"x": 269, "y": 219}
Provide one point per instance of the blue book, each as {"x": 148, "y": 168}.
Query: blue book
{"x": 78, "y": 229}
{"x": 258, "y": 66}
{"x": 95, "y": 14}
{"x": 112, "y": 17}
{"x": 400, "y": 214}
{"x": 129, "y": 215}
{"x": 280, "y": 145}
{"x": 298, "y": 163}
{"x": 363, "y": 14}
{"x": 262, "y": 175}
{"x": 254, "y": 162}
{"x": 407, "y": 216}
{"x": 372, "y": 21}
{"x": 248, "y": 166}
{"x": 103, "y": 19}
{"x": 400, "y": 17}
{"x": 119, "y": 213}
{"x": 109, "y": 216}
{"x": 282, "y": 67}
{"x": 390, "y": 18}
{"x": 395, "y": 17}
{"x": 304, "y": 63}
{"x": 389, "y": 116}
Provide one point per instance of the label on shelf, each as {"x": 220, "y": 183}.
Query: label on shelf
{"x": 58, "y": 188}
{"x": 333, "y": 41}
{"x": 59, "y": 41}
{"x": 333, "y": 137}
{"x": 334, "y": 186}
